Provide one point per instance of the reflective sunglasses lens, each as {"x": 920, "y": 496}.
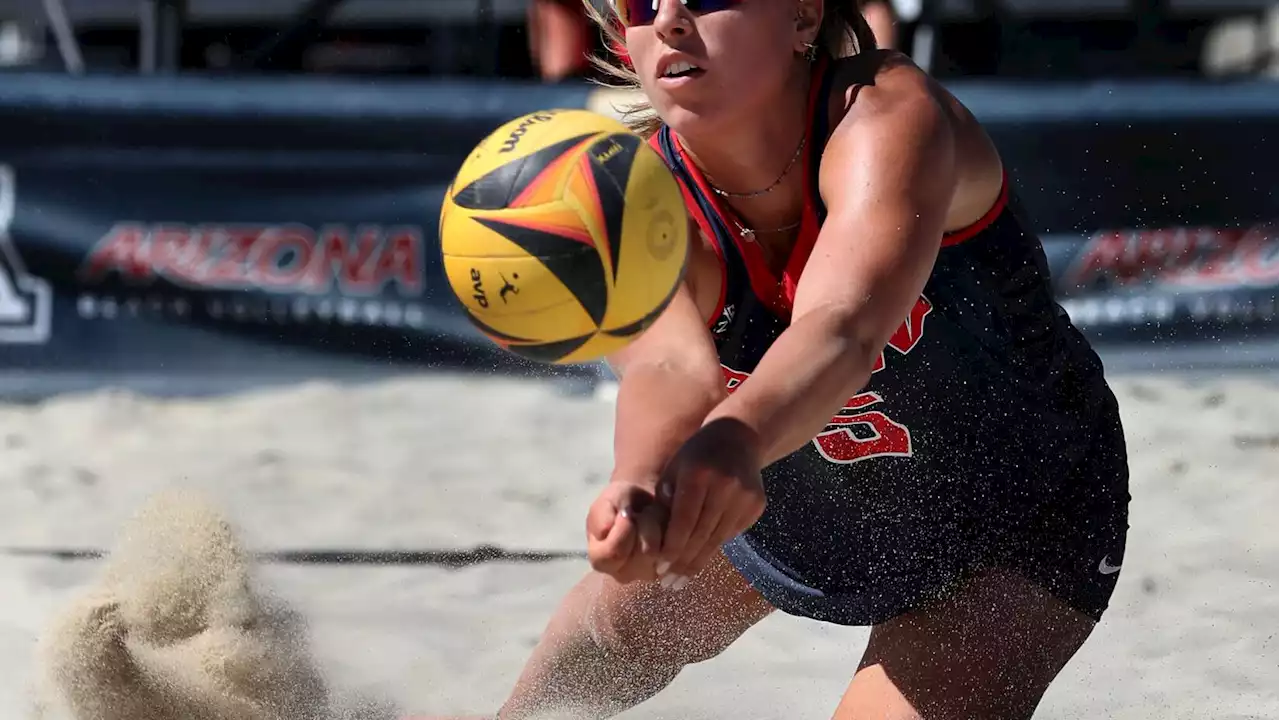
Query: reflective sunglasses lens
{"x": 708, "y": 6}
{"x": 643, "y": 12}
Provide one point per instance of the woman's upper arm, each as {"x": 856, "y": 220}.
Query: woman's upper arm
{"x": 888, "y": 176}
{"x": 678, "y": 338}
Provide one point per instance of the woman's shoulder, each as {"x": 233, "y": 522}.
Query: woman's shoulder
{"x": 879, "y": 83}
{"x": 886, "y": 107}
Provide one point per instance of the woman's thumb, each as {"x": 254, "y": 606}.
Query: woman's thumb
{"x": 601, "y": 518}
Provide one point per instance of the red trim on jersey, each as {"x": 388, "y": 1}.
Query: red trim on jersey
{"x": 704, "y": 226}
{"x": 792, "y": 277}
{"x": 800, "y": 252}
{"x": 955, "y": 237}
{"x": 724, "y": 282}
{"x": 724, "y": 274}
{"x": 771, "y": 290}
{"x": 762, "y": 282}
{"x": 778, "y": 293}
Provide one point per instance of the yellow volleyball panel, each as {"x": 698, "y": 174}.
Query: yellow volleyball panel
{"x": 462, "y": 232}
{"x": 540, "y": 136}
{"x": 563, "y": 236}
{"x": 582, "y": 194}
{"x": 517, "y": 298}
{"x": 512, "y": 233}
{"x": 654, "y": 249}
{"x": 599, "y": 346}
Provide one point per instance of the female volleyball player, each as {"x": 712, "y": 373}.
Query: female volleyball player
{"x": 863, "y": 407}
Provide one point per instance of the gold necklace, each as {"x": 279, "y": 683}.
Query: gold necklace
{"x": 745, "y": 232}
{"x": 746, "y": 196}
{"x": 750, "y": 235}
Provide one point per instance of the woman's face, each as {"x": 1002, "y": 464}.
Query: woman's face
{"x": 742, "y": 58}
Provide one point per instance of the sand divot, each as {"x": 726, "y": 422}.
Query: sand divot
{"x": 176, "y": 628}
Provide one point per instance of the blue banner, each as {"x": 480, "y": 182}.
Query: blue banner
{"x": 287, "y": 227}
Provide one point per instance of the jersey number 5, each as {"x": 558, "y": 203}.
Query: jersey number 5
{"x": 856, "y": 432}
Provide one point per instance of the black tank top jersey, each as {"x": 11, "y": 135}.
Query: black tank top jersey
{"x": 977, "y": 403}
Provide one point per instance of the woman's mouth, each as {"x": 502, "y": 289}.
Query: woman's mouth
{"x": 681, "y": 69}
{"x": 679, "y": 73}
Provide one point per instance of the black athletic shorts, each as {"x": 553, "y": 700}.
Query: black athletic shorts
{"x": 1069, "y": 539}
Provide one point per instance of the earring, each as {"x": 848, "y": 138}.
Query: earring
{"x": 811, "y": 52}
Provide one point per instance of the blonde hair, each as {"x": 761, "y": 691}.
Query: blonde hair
{"x": 844, "y": 32}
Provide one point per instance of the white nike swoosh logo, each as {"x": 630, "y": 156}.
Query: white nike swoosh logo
{"x": 1106, "y": 568}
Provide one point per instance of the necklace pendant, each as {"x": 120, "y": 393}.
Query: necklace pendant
{"x": 748, "y": 235}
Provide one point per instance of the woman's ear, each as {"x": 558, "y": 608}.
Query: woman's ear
{"x": 808, "y": 22}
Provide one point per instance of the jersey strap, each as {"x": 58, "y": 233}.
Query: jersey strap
{"x": 711, "y": 215}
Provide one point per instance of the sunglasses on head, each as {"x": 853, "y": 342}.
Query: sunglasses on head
{"x": 642, "y": 12}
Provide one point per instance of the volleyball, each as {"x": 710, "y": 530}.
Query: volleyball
{"x": 563, "y": 236}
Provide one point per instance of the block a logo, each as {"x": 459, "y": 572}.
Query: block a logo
{"x": 26, "y": 301}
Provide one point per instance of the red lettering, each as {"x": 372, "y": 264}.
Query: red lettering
{"x": 282, "y": 257}
{"x": 881, "y": 435}
{"x": 839, "y": 444}
{"x": 1160, "y": 251}
{"x": 1246, "y": 257}
{"x": 1101, "y": 253}
{"x": 228, "y": 268}
{"x": 1259, "y": 256}
{"x": 338, "y": 257}
{"x": 177, "y": 254}
{"x": 1125, "y": 257}
{"x": 399, "y": 261}
{"x": 288, "y": 257}
{"x": 733, "y": 378}
{"x": 908, "y": 333}
{"x": 123, "y": 250}
{"x": 1208, "y": 264}
{"x": 1200, "y": 257}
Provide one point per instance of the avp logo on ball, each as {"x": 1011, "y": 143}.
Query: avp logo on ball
{"x": 477, "y": 289}
{"x": 26, "y": 301}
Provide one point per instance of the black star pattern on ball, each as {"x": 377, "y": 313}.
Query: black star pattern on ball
{"x": 575, "y": 264}
{"x": 498, "y": 188}
{"x": 611, "y": 161}
{"x": 548, "y": 352}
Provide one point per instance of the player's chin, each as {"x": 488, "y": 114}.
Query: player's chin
{"x": 686, "y": 118}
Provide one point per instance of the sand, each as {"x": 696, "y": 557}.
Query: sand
{"x": 440, "y": 462}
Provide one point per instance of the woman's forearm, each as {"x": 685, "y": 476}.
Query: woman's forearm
{"x": 809, "y": 373}
{"x": 660, "y": 404}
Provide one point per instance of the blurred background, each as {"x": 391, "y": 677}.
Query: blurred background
{"x": 188, "y": 182}
{"x": 206, "y": 196}
{"x": 1042, "y": 39}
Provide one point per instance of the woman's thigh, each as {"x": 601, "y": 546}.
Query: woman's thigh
{"x": 989, "y": 651}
